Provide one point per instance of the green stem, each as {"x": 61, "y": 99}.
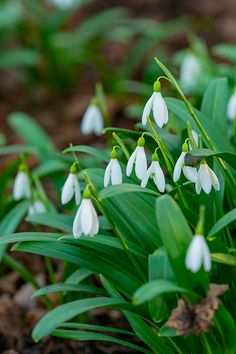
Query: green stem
{"x": 122, "y": 145}
{"x": 206, "y": 344}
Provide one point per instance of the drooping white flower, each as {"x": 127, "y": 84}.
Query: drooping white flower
{"x": 113, "y": 172}
{"x": 71, "y": 188}
{"x": 189, "y": 172}
{"x": 86, "y": 219}
{"x": 231, "y": 107}
{"x": 37, "y": 207}
{"x": 206, "y": 179}
{"x": 198, "y": 255}
{"x": 138, "y": 157}
{"x": 155, "y": 172}
{"x": 21, "y": 186}
{"x": 92, "y": 121}
{"x": 158, "y": 106}
{"x": 190, "y": 71}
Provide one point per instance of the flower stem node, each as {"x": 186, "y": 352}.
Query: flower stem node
{"x": 74, "y": 168}
{"x": 185, "y": 147}
{"x": 87, "y": 193}
{"x": 157, "y": 86}
{"x": 86, "y": 219}
{"x": 114, "y": 154}
{"x": 198, "y": 255}
{"x": 141, "y": 142}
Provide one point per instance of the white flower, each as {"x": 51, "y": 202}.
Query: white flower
{"x": 138, "y": 157}
{"x": 206, "y": 179}
{"x": 189, "y": 172}
{"x": 86, "y": 220}
{"x": 158, "y": 106}
{"x": 198, "y": 254}
{"x": 155, "y": 172}
{"x": 21, "y": 186}
{"x": 92, "y": 121}
{"x": 190, "y": 71}
{"x": 113, "y": 173}
{"x": 71, "y": 188}
{"x": 37, "y": 207}
{"x": 231, "y": 107}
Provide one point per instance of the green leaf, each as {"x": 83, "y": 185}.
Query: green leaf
{"x": 80, "y": 335}
{"x": 65, "y": 312}
{"x": 54, "y": 220}
{"x": 49, "y": 167}
{"x": 176, "y": 237}
{"x": 116, "y": 190}
{"x": 223, "y": 222}
{"x": 101, "y": 155}
{"x": 224, "y": 258}
{"x": 30, "y": 131}
{"x": 214, "y": 103}
{"x": 57, "y": 288}
{"x": 229, "y": 157}
{"x": 227, "y": 324}
{"x": 155, "y": 288}
{"x": 225, "y": 50}
{"x": 19, "y": 57}
{"x": 18, "y": 149}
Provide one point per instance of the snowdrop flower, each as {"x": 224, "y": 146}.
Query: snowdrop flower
{"x": 231, "y": 107}
{"x": 21, "y": 186}
{"x": 198, "y": 254}
{"x": 189, "y": 172}
{"x": 138, "y": 157}
{"x": 86, "y": 219}
{"x": 206, "y": 179}
{"x": 190, "y": 71}
{"x": 71, "y": 187}
{"x": 155, "y": 172}
{"x": 37, "y": 207}
{"x": 113, "y": 171}
{"x": 158, "y": 106}
{"x": 92, "y": 121}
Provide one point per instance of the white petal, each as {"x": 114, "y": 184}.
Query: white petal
{"x": 147, "y": 110}
{"x": 205, "y": 178}
{"x": 206, "y": 257}
{"x": 86, "y": 216}
{"x": 130, "y": 163}
{"x": 214, "y": 180}
{"x": 77, "y": 229}
{"x": 231, "y": 108}
{"x": 107, "y": 174}
{"x": 190, "y": 173}
{"x": 77, "y": 190}
{"x": 159, "y": 178}
{"x": 148, "y": 173}
{"x": 116, "y": 172}
{"x": 21, "y": 186}
{"x": 178, "y": 167}
{"x": 98, "y": 122}
{"x": 198, "y": 186}
{"x": 140, "y": 163}
{"x": 160, "y": 111}
{"x": 68, "y": 189}
{"x": 95, "y": 224}
{"x": 194, "y": 254}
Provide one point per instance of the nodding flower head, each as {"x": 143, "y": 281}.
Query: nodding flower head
{"x": 113, "y": 172}
{"x": 21, "y": 186}
{"x": 155, "y": 172}
{"x": 71, "y": 187}
{"x": 92, "y": 121}
{"x": 157, "y": 105}
{"x": 198, "y": 255}
{"x": 189, "y": 172}
{"x": 206, "y": 179}
{"x": 138, "y": 157}
{"x": 86, "y": 219}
